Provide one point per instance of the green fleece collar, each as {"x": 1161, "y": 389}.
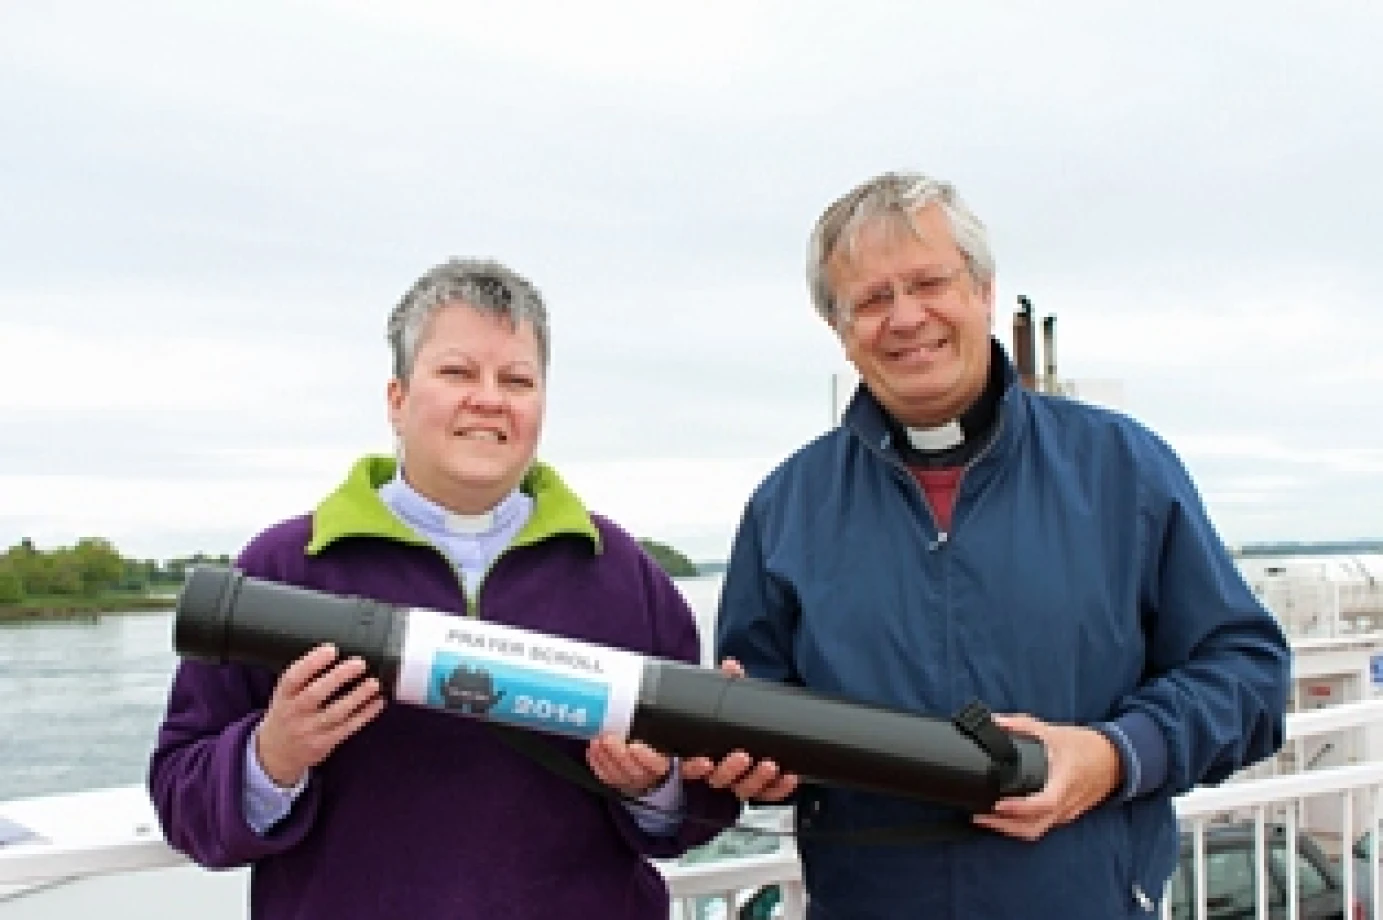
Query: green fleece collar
{"x": 355, "y": 509}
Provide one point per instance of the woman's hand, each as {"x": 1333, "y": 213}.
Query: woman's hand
{"x": 633, "y": 768}
{"x": 313, "y": 709}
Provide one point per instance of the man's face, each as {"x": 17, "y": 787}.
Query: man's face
{"x": 471, "y": 411}
{"x": 912, "y": 319}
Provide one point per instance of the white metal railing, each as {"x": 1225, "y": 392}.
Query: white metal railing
{"x": 729, "y": 884}
{"x": 125, "y": 839}
{"x": 1280, "y": 800}
{"x": 1334, "y": 805}
{"x": 1328, "y": 719}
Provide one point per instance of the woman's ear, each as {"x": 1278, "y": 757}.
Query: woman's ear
{"x": 393, "y": 396}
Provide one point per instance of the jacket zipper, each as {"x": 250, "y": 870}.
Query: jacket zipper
{"x": 485, "y": 574}
{"x": 943, "y": 537}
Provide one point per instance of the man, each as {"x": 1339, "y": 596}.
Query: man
{"x": 959, "y": 537}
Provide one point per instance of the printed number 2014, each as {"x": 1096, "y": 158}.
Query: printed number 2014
{"x": 549, "y": 711}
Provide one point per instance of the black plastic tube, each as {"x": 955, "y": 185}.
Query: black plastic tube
{"x": 696, "y": 711}
{"x": 223, "y": 616}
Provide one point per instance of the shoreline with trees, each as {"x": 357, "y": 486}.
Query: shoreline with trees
{"x": 82, "y": 608}
{"x": 91, "y": 578}
{"x": 86, "y": 579}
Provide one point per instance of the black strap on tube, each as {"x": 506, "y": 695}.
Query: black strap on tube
{"x": 977, "y": 723}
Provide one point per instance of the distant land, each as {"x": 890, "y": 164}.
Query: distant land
{"x": 93, "y": 577}
{"x": 1243, "y": 550}
{"x": 1314, "y": 548}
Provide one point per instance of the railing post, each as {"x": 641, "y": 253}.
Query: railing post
{"x": 794, "y": 900}
{"x": 1291, "y": 823}
{"x": 1346, "y": 847}
{"x": 1260, "y": 857}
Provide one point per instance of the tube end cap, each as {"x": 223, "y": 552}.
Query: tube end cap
{"x": 199, "y": 618}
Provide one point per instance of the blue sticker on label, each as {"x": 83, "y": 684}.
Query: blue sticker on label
{"x": 527, "y": 697}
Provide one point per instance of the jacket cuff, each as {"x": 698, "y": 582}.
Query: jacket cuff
{"x": 266, "y": 802}
{"x": 1142, "y": 752}
{"x": 235, "y": 842}
{"x": 661, "y": 818}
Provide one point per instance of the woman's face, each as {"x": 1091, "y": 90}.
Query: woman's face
{"x": 471, "y": 411}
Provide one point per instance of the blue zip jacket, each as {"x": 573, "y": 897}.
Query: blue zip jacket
{"x": 1081, "y": 582}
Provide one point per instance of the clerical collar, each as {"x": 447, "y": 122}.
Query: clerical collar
{"x": 427, "y": 516}
{"x": 942, "y": 437}
{"x": 958, "y": 441}
{"x": 469, "y": 523}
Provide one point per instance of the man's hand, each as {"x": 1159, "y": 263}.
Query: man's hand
{"x": 761, "y": 782}
{"x": 633, "y": 768}
{"x": 309, "y": 715}
{"x": 1083, "y": 768}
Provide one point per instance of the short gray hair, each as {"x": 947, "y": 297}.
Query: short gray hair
{"x": 895, "y": 196}
{"x": 476, "y": 283}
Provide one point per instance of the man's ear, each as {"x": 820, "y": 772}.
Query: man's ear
{"x": 836, "y": 323}
{"x": 987, "y": 294}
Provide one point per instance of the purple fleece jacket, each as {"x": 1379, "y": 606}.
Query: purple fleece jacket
{"x": 423, "y": 815}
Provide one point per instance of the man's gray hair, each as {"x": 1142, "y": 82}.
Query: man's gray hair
{"x": 476, "y": 283}
{"x": 892, "y": 196}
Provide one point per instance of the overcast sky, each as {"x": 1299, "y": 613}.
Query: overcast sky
{"x": 207, "y": 210}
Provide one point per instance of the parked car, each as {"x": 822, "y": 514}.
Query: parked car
{"x": 1231, "y": 881}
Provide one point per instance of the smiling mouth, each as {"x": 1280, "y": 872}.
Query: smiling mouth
{"x": 483, "y": 434}
{"x": 921, "y": 348}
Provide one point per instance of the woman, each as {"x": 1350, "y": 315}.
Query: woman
{"x": 347, "y": 807}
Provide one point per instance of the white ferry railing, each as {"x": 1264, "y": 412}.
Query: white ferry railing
{"x": 30, "y": 867}
{"x": 1279, "y": 800}
{"x": 705, "y": 890}
{"x": 131, "y": 842}
{"x": 36, "y": 863}
{"x": 126, "y": 838}
{"x": 1340, "y": 717}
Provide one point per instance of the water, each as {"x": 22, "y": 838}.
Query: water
{"x": 81, "y": 700}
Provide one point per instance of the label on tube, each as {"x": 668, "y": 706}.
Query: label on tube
{"x": 504, "y": 674}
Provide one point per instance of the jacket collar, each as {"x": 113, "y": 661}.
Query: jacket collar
{"x": 356, "y": 510}
{"x": 866, "y": 418}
